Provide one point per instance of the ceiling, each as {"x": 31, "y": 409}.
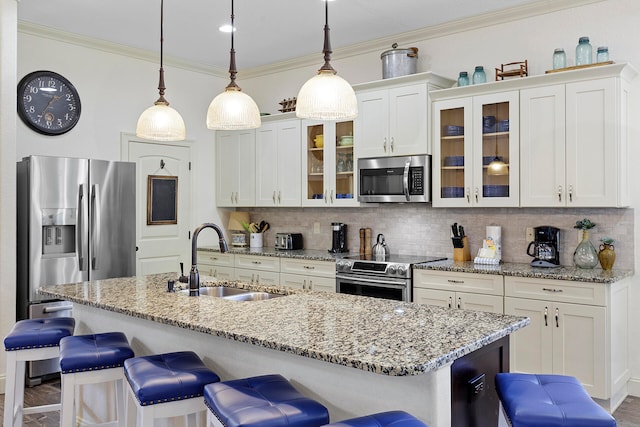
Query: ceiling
{"x": 267, "y": 31}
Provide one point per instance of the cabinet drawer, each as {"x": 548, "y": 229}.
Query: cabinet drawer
{"x": 257, "y": 277}
{"x": 257, "y": 262}
{"x": 220, "y": 273}
{"x": 556, "y": 290}
{"x": 215, "y": 258}
{"x": 491, "y": 284}
{"x": 311, "y": 268}
{"x": 311, "y": 283}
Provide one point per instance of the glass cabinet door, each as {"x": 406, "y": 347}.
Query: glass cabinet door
{"x": 452, "y": 153}
{"x": 496, "y": 150}
{"x": 330, "y": 164}
{"x": 344, "y": 164}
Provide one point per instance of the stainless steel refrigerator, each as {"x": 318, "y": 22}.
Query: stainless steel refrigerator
{"x": 75, "y": 222}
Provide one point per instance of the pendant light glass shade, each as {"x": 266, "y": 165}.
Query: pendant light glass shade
{"x": 327, "y": 96}
{"x": 161, "y": 122}
{"x": 233, "y": 109}
{"x": 497, "y": 167}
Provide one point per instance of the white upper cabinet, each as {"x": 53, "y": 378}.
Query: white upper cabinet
{"x": 278, "y": 164}
{"x": 235, "y": 168}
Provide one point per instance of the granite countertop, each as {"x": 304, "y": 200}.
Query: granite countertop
{"x": 375, "y": 335}
{"x": 595, "y": 275}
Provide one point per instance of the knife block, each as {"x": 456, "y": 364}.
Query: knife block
{"x": 463, "y": 253}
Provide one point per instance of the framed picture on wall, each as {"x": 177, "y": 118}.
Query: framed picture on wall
{"x": 162, "y": 200}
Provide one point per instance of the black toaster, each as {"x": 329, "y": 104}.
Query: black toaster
{"x": 288, "y": 241}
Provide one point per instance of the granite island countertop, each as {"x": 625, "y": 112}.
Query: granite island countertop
{"x": 375, "y": 335}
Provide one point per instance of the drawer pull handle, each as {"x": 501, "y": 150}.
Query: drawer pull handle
{"x": 546, "y": 315}
{"x": 450, "y": 302}
{"x": 552, "y": 290}
{"x": 309, "y": 267}
{"x": 459, "y": 302}
{"x": 455, "y": 281}
{"x": 256, "y": 262}
{"x": 557, "y": 316}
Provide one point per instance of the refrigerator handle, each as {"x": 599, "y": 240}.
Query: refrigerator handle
{"x": 81, "y": 231}
{"x": 95, "y": 226}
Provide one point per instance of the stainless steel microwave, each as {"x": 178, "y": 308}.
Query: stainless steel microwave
{"x": 402, "y": 179}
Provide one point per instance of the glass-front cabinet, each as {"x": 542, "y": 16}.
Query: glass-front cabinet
{"x": 329, "y": 164}
{"x": 476, "y": 158}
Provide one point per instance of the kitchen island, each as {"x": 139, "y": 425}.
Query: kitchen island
{"x": 356, "y": 355}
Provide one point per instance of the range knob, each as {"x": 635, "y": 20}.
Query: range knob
{"x": 402, "y": 271}
{"x": 392, "y": 269}
{"x": 343, "y": 265}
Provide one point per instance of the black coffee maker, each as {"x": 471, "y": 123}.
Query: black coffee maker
{"x": 546, "y": 247}
{"x": 339, "y": 238}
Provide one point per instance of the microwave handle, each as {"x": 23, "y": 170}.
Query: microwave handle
{"x": 405, "y": 179}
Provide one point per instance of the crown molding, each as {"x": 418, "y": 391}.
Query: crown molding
{"x": 541, "y": 7}
{"x": 115, "y": 48}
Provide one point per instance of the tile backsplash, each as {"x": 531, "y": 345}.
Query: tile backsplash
{"x": 419, "y": 229}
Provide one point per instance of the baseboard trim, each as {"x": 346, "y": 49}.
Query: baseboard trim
{"x": 634, "y": 387}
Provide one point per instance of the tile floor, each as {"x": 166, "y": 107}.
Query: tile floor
{"x": 627, "y": 415}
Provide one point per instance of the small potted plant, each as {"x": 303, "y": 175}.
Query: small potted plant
{"x": 585, "y": 255}
{"x": 607, "y": 254}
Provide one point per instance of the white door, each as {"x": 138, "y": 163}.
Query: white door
{"x": 161, "y": 247}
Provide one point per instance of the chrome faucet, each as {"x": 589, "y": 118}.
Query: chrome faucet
{"x": 194, "y": 276}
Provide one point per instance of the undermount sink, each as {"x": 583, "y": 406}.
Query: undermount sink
{"x": 252, "y": 296}
{"x": 234, "y": 294}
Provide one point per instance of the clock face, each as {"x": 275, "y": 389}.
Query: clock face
{"x": 48, "y": 103}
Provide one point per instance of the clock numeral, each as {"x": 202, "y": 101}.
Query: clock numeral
{"x": 32, "y": 109}
{"x": 33, "y": 89}
{"x": 68, "y": 97}
{"x": 72, "y": 107}
{"x": 27, "y": 98}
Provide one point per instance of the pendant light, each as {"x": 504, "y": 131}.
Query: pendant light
{"x": 327, "y": 96}
{"x": 497, "y": 165}
{"x": 233, "y": 109}
{"x": 161, "y": 122}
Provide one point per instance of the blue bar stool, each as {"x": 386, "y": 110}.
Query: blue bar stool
{"x": 92, "y": 359}
{"x": 381, "y": 419}
{"x": 167, "y": 385}
{"x": 264, "y": 401}
{"x": 30, "y": 340}
{"x": 530, "y": 400}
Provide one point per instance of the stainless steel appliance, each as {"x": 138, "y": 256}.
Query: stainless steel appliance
{"x": 75, "y": 222}
{"x": 546, "y": 247}
{"x": 338, "y": 238}
{"x": 369, "y": 276}
{"x": 402, "y": 179}
{"x": 288, "y": 241}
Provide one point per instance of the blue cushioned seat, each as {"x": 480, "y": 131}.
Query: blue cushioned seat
{"x": 264, "y": 401}
{"x": 549, "y": 401}
{"x": 382, "y": 419}
{"x": 38, "y": 333}
{"x": 167, "y": 377}
{"x": 93, "y": 352}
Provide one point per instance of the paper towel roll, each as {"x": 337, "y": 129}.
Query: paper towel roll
{"x": 494, "y": 232}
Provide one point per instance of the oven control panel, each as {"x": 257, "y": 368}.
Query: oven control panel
{"x": 374, "y": 268}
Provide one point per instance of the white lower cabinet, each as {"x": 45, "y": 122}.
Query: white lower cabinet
{"x": 467, "y": 291}
{"x": 309, "y": 275}
{"x": 216, "y": 264}
{"x": 577, "y": 328}
{"x": 257, "y": 269}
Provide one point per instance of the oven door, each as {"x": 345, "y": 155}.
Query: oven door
{"x": 378, "y": 287}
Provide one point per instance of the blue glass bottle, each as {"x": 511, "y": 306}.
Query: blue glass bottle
{"x": 479, "y": 76}
{"x": 463, "y": 79}
{"x": 584, "y": 51}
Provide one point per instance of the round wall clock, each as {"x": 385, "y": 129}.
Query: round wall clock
{"x": 48, "y": 103}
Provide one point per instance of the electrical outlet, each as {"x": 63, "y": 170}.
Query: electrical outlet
{"x": 529, "y": 234}
{"x": 316, "y": 228}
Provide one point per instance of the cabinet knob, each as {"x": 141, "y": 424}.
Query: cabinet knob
{"x": 476, "y": 193}
{"x": 274, "y": 197}
{"x": 232, "y": 197}
{"x": 279, "y": 197}
{"x": 560, "y": 193}
{"x": 392, "y": 144}
{"x": 468, "y": 195}
{"x": 571, "y": 194}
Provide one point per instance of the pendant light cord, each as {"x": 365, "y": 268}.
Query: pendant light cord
{"x": 327, "y": 42}
{"x": 232, "y": 55}
{"x": 161, "y": 86}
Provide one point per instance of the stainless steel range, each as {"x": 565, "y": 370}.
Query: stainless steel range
{"x": 388, "y": 278}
